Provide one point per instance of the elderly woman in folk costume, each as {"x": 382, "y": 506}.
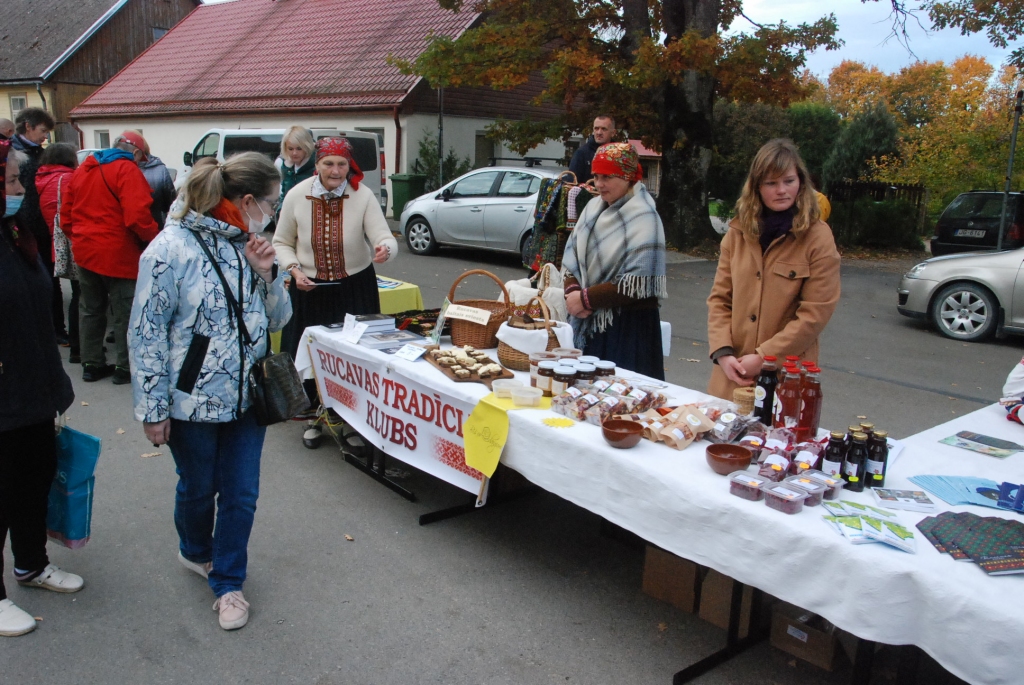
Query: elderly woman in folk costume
{"x": 615, "y": 263}
{"x": 330, "y": 232}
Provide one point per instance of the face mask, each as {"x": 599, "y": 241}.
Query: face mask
{"x": 258, "y": 225}
{"x": 13, "y": 205}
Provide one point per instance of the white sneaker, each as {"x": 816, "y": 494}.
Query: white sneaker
{"x": 14, "y": 620}
{"x": 201, "y": 569}
{"x": 233, "y": 609}
{"x": 52, "y": 578}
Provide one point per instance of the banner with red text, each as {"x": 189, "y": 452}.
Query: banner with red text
{"x": 405, "y": 419}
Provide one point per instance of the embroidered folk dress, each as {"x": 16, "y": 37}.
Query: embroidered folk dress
{"x": 329, "y": 235}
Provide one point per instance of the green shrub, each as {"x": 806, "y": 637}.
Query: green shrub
{"x": 868, "y": 223}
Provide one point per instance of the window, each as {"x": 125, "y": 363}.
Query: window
{"x": 102, "y": 139}
{"x": 477, "y": 185}
{"x": 18, "y": 103}
{"x": 378, "y": 131}
{"x": 207, "y": 147}
{"x": 484, "y": 151}
{"x": 270, "y": 145}
{"x": 518, "y": 184}
{"x": 158, "y": 33}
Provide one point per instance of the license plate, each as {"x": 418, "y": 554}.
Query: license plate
{"x": 969, "y": 233}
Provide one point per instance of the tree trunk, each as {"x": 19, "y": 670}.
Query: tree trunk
{"x": 686, "y": 112}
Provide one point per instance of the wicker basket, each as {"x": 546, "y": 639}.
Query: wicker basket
{"x": 480, "y": 336}
{"x": 516, "y": 360}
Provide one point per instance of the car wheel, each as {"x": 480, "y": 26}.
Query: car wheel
{"x": 965, "y": 311}
{"x": 419, "y": 237}
{"x": 524, "y": 249}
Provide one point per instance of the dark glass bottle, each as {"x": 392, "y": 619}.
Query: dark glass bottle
{"x": 810, "y": 405}
{"x": 764, "y": 391}
{"x": 849, "y": 435}
{"x": 878, "y": 459}
{"x": 835, "y": 454}
{"x": 856, "y": 463}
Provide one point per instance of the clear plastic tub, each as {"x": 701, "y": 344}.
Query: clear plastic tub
{"x": 815, "y": 490}
{"x": 747, "y": 485}
{"x": 503, "y": 387}
{"x": 782, "y": 497}
{"x": 525, "y": 396}
{"x": 834, "y": 483}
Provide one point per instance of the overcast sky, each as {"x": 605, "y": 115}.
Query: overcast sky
{"x": 865, "y": 27}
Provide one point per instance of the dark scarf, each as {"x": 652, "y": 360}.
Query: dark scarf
{"x": 775, "y": 225}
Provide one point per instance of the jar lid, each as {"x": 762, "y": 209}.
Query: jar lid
{"x": 589, "y": 359}
{"x": 837, "y": 435}
{"x": 586, "y": 368}
{"x": 605, "y": 365}
{"x": 548, "y": 365}
{"x": 867, "y": 425}
{"x": 569, "y": 361}
{"x": 541, "y": 356}
{"x": 860, "y": 436}
{"x": 882, "y": 434}
{"x": 566, "y": 371}
{"x": 771, "y": 358}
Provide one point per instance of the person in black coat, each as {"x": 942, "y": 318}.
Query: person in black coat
{"x": 603, "y": 132}
{"x": 33, "y": 389}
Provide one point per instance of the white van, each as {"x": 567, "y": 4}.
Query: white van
{"x": 224, "y": 142}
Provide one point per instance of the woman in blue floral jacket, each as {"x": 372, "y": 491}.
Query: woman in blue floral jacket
{"x": 190, "y": 360}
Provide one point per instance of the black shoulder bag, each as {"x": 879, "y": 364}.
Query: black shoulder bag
{"x": 274, "y": 385}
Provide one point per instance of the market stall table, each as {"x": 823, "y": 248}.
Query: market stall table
{"x": 970, "y": 623}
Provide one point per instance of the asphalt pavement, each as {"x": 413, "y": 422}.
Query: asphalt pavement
{"x": 522, "y": 593}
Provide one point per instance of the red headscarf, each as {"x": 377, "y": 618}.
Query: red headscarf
{"x": 339, "y": 147}
{"x": 618, "y": 159}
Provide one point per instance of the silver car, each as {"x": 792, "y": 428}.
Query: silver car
{"x": 490, "y": 208}
{"x": 967, "y": 296}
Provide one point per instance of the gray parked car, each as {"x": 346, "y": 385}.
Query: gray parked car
{"x": 967, "y": 296}
{"x": 490, "y": 208}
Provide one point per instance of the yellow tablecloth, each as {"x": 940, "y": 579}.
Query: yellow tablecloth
{"x": 400, "y": 298}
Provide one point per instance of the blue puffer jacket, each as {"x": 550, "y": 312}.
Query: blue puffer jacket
{"x": 188, "y": 358}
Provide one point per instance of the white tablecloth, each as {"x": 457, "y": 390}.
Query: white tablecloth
{"x": 970, "y": 623}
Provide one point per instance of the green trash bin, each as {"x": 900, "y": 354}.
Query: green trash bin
{"x": 405, "y": 187}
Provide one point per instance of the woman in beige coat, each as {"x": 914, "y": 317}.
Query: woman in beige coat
{"x": 777, "y": 282}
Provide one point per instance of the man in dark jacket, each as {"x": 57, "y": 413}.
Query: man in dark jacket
{"x": 105, "y": 213}
{"x": 33, "y": 389}
{"x": 157, "y": 176}
{"x": 604, "y": 132}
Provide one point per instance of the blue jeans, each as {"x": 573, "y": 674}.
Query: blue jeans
{"x": 217, "y": 464}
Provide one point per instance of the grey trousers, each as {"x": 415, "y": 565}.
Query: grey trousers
{"x": 97, "y": 293}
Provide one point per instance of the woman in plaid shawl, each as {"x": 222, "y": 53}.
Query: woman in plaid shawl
{"x": 615, "y": 263}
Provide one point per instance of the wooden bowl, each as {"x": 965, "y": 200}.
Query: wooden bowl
{"x": 724, "y": 458}
{"x": 621, "y": 433}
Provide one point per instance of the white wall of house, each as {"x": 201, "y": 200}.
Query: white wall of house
{"x": 170, "y": 138}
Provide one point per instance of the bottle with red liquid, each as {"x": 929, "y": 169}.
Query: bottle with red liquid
{"x": 787, "y": 400}
{"x": 810, "y": 405}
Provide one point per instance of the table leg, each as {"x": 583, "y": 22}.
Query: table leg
{"x": 863, "y": 662}
{"x": 460, "y": 509}
{"x": 733, "y": 644}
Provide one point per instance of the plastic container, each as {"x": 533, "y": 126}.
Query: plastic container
{"x": 833, "y": 483}
{"x": 746, "y": 485}
{"x": 585, "y": 373}
{"x": 535, "y": 359}
{"x": 565, "y": 377}
{"x": 815, "y": 490}
{"x": 525, "y": 396}
{"x": 567, "y": 352}
{"x": 782, "y": 497}
{"x": 503, "y": 387}
{"x": 545, "y": 372}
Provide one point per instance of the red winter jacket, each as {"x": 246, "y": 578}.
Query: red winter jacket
{"x": 105, "y": 213}
{"x": 47, "y": 178}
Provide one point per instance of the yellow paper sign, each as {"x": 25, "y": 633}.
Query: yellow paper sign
{"x": 486, "y": 431}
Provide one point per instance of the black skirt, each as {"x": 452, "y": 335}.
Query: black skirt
{"x": 355, "y": 294}
{"x": 632, "y": 341}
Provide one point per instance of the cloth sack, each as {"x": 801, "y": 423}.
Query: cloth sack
{"x": 63, "y": 260}
{"x": 529, "y": 342}
{"x": 69, "y": 507}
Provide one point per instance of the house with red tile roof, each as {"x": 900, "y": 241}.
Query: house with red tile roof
{"x": 54, "y": 53}
{"x": 259, "y": 64}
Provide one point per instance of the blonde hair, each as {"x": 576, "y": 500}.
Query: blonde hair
{"x": 297, "y": 135}
{"x": 247, "y": 173}
{"x": 775, "y": 158}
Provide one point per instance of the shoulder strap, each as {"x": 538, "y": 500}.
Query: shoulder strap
{"x": 104, "y": 177}
{"x": 233, "y": 305}
{"x": 56, "y": 216}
